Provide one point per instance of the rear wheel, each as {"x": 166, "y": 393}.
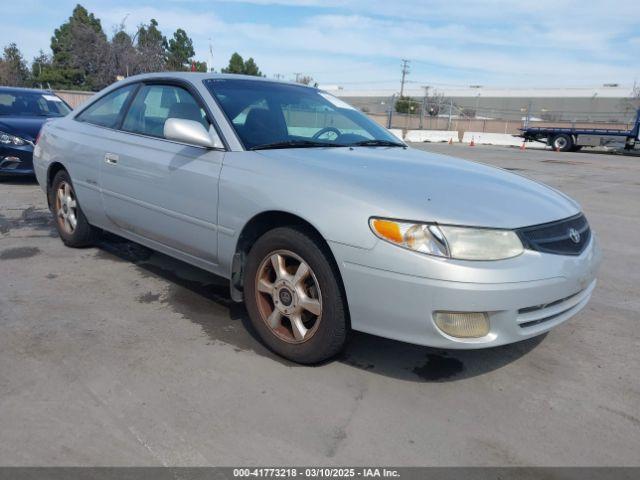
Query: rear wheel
{"x": 72, "y": 225}
{"x": 293, "y": 296}
{"x": 562, "y": 142}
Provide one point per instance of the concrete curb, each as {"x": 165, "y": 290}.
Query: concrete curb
{"x": 505, "y": 139}
{"x": 397, "y": 132}
{"x": 431, "y": 136}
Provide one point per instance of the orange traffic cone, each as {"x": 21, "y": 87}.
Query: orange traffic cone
{"x": 522, "y": 147}
{"x": 451, "y": 141}
{"x": 472, "y": 144}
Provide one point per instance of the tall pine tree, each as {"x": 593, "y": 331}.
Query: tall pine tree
{"x": 238, "y": 65}
{"x": 180, "y": 51}
{"x": 152, "y": 46}
{"x": 80, "y": 52}
{"x": 13, "y": 68}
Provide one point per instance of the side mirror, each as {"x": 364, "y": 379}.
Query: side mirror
{"x": 191, "y": 132}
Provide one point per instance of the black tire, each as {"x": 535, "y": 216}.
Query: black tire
{"x": 562, "y": 142}
{"x": 330, "y": 334}
{"x": 82, "y": 234}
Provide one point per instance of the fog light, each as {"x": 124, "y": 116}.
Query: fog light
{"x": 463, "y": 324}
{"x": 9, "y": 163}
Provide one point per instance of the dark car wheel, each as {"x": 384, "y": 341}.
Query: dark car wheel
{"x": 293, "y": 296}
{"x": 562, "y": 142}
{"x": 72, "y": 225}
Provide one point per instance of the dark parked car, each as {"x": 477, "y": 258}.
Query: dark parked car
{"x": 23, "y": 111}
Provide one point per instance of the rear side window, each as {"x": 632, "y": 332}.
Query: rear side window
{"x": 106, "y": 111}
{"x": 154, "y": 104}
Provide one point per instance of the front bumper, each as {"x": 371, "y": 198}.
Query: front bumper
{"x": 16, "y": 160}
{"x": 524, "y": 297}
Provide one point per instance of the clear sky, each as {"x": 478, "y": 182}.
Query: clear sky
{"x": 359, "y": 43}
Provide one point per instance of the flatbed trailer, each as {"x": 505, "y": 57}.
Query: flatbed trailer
{"x": 573, "y": 139}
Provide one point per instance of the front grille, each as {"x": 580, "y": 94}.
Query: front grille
{"x": 556, "y": 237}
{"x": 539, "y": 314}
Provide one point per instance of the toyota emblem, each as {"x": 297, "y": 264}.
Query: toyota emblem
{"x": 574, "y": 235}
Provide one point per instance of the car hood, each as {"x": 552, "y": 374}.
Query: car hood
{"x": 23, "y": 127}
{"x": 415, "y": 185}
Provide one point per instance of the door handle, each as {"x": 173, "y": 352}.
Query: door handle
{"x": 111, "y": 158}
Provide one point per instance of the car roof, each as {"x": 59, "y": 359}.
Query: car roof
{"x": 199, "y": 76}
{"x": 24, "y": 90}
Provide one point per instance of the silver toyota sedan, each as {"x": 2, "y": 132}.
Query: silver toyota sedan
{"x": 322, "y": 220}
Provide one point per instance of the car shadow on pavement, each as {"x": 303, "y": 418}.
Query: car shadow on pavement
{"x": 416, "y": 363}
{"x": 203, "y": 298}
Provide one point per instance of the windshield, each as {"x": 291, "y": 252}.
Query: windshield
{"x": 276, "y": 115}
{"x": 32, "y": 104}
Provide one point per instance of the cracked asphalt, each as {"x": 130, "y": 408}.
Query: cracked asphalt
{"x": 116, "y": 355}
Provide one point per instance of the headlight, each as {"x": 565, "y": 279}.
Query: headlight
{"x": 461, "y": 243}
{"x": 7, "y": 139}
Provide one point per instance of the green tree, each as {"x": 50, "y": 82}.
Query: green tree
{"x": 152, "y": 46}
{"x": 180, "y": 51}
{"x": 124, "y": 57}
{"x": 406, "y": 104}
{"x": 80, "y": 52}
{"x": 238, "y": 65}
{"x": 250, "y": 68}
{"x": 13, "y": 68}
{"x": 40, "y": 70}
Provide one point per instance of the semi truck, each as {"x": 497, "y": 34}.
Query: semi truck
{"x": 573, "y": 139}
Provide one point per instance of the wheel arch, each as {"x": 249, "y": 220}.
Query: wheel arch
{"x": 260, "y": 224}
{"x": 52, "y": 171}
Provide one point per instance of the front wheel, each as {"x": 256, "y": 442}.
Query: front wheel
{"x": 72, "y": 225}
{"x": 293, "y": 296}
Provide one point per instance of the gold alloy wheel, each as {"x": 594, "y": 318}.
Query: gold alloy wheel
{"x": 288, "y": 296}
{"x": 66, "y": 208}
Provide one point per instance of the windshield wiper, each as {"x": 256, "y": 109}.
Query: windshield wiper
{"x": 376, "y": 143}
{"x": 295, "y": 144}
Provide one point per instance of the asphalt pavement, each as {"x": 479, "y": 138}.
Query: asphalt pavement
{"x": 116, "y": 355}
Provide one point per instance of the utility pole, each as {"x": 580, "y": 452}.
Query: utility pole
{"x": 210, "y": 60}
{"x": 450, "y": 112}
{"x": 405, "y": 71}
{"x": 297, "y": 74}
